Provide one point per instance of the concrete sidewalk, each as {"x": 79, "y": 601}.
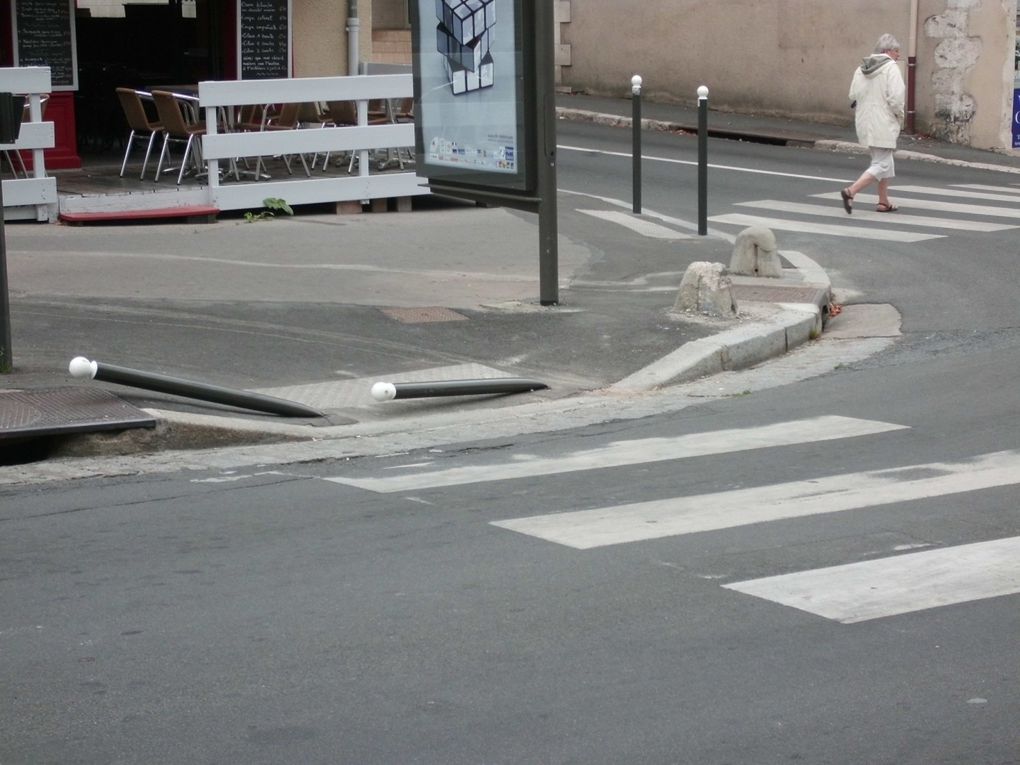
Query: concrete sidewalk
{"x": 317, "y": 308}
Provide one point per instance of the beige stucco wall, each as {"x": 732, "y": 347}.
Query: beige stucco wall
{"x": 320, "y": 36}
{"x": 796, "y": 57}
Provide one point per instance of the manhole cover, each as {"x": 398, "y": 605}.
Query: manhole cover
{"x": 423, "y": 315}
{"x": 51, "y": 411}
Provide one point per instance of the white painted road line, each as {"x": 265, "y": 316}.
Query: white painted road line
{"x": 826, "y": 428}
{"x": 928, "y": 204}
{"x": 982, "y": 187}
{"x": 634, "y": 223}
{"x": 901, "y": 219}
{"x": 855, "y": 232}
{"x": 619, "y": 524}
{"x": 857, "y": 592}
{"x": 959, "y": 193}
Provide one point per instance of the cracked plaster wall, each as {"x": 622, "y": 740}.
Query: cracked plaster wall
{"x": 955, "y": 55}
{"x": 972, "y": 71}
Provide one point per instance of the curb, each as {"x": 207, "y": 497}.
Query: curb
{"x": 737, "y": 348}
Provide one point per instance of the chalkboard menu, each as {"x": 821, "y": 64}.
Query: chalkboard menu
{"x": 264, "y": 32}
{"x": 45, "y": 37}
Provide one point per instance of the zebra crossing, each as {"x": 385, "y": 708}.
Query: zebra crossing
{"x": 926, "y": 212}
{"x": 844, "y": 592}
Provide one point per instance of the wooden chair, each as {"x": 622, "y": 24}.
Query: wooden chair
{"x": 141, "y": 126}
{"x": 177, "y": 128}
{"x": 402, "y": 111}
{"x": 252, "y": 117}
{"x": 312, "y": 114}
{"x": 287, "y": 118}
{"x": 345, "y": 114}
{"x": 341, "y": 114}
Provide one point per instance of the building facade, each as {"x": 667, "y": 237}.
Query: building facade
{"x": 795, "y": 57}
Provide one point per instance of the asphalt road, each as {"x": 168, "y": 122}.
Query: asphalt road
{"x": 813, "y": 561}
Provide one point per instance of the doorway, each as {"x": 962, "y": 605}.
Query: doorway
{"x": 142, "y": 45}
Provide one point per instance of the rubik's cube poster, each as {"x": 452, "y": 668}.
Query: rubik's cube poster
{"x": 469, "y": 78}
{"x": 464, "y": 37}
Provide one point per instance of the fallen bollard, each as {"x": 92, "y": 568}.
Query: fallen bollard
{"x": 384, "y": 391}
{"x": 80, "y": 367}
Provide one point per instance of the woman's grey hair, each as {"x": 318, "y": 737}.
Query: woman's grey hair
{"x": 886, "y": 43}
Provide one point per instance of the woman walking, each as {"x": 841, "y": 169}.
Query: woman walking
{"x": 877, "y": 94}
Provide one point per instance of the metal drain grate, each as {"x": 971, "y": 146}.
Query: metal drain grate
{"x": 52, "y": 411}
{"x": 423, "y": 315}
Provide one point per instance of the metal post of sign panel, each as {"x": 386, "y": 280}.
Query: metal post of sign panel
{"x": 548, "y": 233}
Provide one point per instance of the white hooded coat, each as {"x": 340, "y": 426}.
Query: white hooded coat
{"x": 878, "y": 89}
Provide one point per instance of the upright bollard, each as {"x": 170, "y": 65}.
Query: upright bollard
{"x": 635, "y": 97}
{"x": 702, "y": 161}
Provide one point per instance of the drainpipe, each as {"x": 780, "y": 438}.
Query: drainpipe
{"x": 353, "y": 28}
{"x": 912, "y": 68}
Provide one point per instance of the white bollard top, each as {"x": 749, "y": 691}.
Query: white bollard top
{"x": 635, "y": 84}
{"x": 80, "y": 367}
{"x": 702, "y": 93}
{"x": 384, "y": 391}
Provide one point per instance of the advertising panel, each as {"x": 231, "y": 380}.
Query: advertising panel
{"x": 472, "y": 79}
{"x": 1016, "y": 118}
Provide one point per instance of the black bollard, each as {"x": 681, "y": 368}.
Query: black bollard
{"x": 384, "y": 391}
{"x": 702, "y": 161}
{"x": 81, "y": 367}
{"x": 635, "y": 91}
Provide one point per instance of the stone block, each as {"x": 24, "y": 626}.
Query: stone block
{"x": 755, "y": 253}
{"x": 706, "y": 289}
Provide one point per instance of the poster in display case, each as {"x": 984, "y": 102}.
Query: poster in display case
{"x": 474, "y": 89}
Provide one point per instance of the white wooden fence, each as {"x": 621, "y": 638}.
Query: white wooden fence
{"x": 219, "y": 148}
{"x": 34, "y": 197}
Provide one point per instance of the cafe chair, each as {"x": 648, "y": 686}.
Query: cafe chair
{"x": 345, "y": 114}
{"x": 252, "y": 117}
{"x": 177, "y": 129}
{"x": 341, "y": 114}
{"x": 402, "y": 111}
{"x": 142, "y": 128}
{"x": 313, "y": 115}
{"x": 287, "y": 118}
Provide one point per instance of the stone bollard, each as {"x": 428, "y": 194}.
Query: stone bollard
{"x": 755, "y": 253}
{"x": 706, "y": 289}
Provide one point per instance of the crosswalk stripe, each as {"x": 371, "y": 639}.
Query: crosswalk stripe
{"x": 955, "y": 192}
{"x": 858, "y": 592}
{"x": 836, "y": 211}
{"x": 619, "y": 524}
{"x": 640, "y": 225}
{"x": 982, "y": 187}
{"x": 856, "y": 232}
{"x": 928, "y": 204}
{"x": 619, "y": 453}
